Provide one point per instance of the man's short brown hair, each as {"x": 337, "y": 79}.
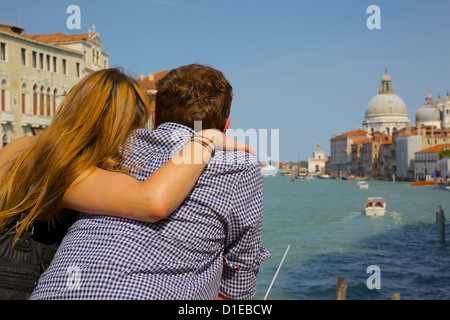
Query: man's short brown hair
{"x": 194, "y": 93}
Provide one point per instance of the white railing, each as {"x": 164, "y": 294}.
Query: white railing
{"x": 6, "y": 116}
{"x": 36, "y": 120}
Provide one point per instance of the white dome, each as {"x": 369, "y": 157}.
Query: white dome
{"x": 427, "y": 113}
{"x": 385, "y": 106}
{"x": 386, "y": 112}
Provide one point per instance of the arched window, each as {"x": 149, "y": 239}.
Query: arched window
{"x": 23, "y": 98}
{"x": 55, "y": 92}
{"x": 48, "y": 103}
{"x": 35, "y": 99}
{"x": 41, "y": 102}
{"x": 3, "y": 96}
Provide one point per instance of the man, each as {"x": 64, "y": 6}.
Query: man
{"x": 210, "y": 247}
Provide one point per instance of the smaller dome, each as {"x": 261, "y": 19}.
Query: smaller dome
{"x": 428, "y": 114}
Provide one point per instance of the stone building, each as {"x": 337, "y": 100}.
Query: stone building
{"x": 409, "y": 140}
{"x": 317, "y": 164}
{"x": 427, "y": 162}
{"x": 341, "y": 151}
{"x": 149, "y": 85}
{"x": 37, "y": 71}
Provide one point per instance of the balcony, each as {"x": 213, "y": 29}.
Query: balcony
{"x": 35, "y": 121}
{"x": 6, "y": 117}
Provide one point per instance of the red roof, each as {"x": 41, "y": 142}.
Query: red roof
{"x": 436, "y": 148}
{"x": 46, "y": 38}
{"x": 148, "y": 84}
{"x": 60, "y": 37}
{"x": 353, "y": 133}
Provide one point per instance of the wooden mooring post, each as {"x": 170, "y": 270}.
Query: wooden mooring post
{"x": 440, "y": 220}
{"x": 341, "y": 290}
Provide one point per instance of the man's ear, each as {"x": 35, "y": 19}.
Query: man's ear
{"x": 155, "y": 122}
{"x": 227, "y": 124}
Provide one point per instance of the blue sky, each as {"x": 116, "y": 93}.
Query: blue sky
{"x": 305, "y": 68}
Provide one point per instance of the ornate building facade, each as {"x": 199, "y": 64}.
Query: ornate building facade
{"x": 37, "y": 71}
{"x": 317, "y": 164}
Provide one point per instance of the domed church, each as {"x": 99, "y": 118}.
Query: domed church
{"x": 386, "y": 112}
{"x": 431, "y": 114}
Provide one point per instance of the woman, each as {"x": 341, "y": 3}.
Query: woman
{"x": 76, "y": 162}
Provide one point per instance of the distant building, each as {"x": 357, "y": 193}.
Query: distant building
{"x": 445, "y": 168}
{"x": 428, "y": 163}
{"x": 341, "y": 150}
{"x": 149, "y": 85}
{"x": 37, "y": 71}
{"x": 375, "y": 156}
{"x": 317, "y": 163}
{"x": 409, "y": 140}
{"x": 388, "y": 148}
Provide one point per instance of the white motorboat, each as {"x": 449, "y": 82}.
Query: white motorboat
{"x": 375, "y": 207}
{"x": 269, "y": 171}
{"x": 362, "y": 185}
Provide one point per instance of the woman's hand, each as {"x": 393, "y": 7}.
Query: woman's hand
{"x": 225, "y": 142}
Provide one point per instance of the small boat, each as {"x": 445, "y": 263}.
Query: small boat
{"x": 375, "y": 207}
{"x": 269, "y": 171}
{"x": 324, "y": 176}
{"x": 362, "y": 185}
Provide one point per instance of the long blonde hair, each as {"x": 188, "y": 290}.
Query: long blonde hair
{"x": 91, "y": 128}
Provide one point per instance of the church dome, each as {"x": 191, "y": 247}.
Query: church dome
{"x": 428, "y": 114}
{"x": 386, "y": 112}
{"x": 386, "y": 104}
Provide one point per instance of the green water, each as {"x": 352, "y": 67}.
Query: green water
{"x": 329, "y": 236}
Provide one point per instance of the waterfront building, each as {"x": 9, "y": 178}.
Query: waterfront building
{"x": 341, "y": 150}
{"x": 445, "y": 168}
{"x": 385, "y": 159}
{"x": 317, "y": 163}
{"x": 37, "y": 71}
{"x": 386, "y": 112}
{"x": 373, "y": 154}
{"x": 149, "y": 85}
{"x": 427, "y": 162}
{"x": 404, "y": 149}
{"x": 388, "y": 148}
{"x": 408, "y": 141}
{"x": 356, "y": 166}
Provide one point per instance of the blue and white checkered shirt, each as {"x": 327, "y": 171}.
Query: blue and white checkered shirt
{"x": 211, "y": 244}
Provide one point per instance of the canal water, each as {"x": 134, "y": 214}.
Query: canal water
{"x": 323, "y": 221}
